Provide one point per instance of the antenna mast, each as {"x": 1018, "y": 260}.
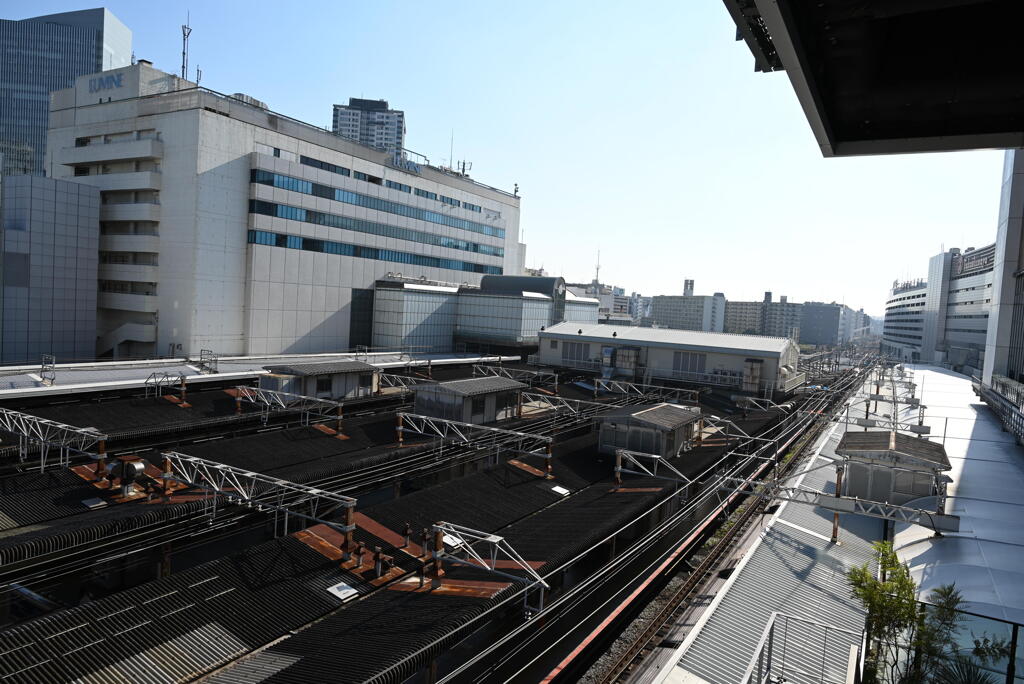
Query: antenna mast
{"x": 597, "y": 270}
{"x": 186, "y": 30}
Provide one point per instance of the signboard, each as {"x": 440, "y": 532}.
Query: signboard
{"x": 977, "y": 260}
{"x": 106, "y": 82}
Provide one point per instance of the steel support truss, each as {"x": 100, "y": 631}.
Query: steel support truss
{"x": 759, "y": 403}
{"x": 466, "y": 540}
{"x": 272, "y": 400}
{"x": 403, "y": 381}
{"x": 474, "y": 436}
{"x": 657, "y": 392}
{"x": 157, "y": 381}
{"x": 573, "y": 406}
{"x": 939, "y": 522}
{"x": 50, "y": 434}
{"x": 259, "y": 491}
{"x": 624, "y": 456}
{"x": 530, "y": 377}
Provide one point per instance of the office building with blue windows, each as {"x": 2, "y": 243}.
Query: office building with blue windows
{"x": 42, "y": 54}
{"x": 229, "y": 227}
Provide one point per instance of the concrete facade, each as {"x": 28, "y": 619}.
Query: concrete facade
{"x": 246, "y": 232}
{"x": 1004, "y": 344}
{"x": 49, "y": 233}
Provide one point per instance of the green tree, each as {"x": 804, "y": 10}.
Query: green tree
{"x": 893, "y": 618}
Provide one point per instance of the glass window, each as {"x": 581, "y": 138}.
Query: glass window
{"x": 323, "y": 383}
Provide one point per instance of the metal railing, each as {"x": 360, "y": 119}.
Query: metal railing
{"x": 797, "y": 649}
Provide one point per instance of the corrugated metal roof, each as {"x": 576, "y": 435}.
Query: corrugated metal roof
{"x": 328, "y": 368}
{"x": 472, "y": 386}
{"x": 896, "y": 443}
{"x": 794, "y": 569}
{"x": 668, "y": 416}
{"x": 666, "y": 337}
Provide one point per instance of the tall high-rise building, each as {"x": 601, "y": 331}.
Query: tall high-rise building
{"x": 687, "y": 288}
{"x": 372, "y": 123}
{"x": 226, "y": 226}
{"x": 43, "y": 54}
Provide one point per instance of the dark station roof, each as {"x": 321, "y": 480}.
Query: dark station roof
{"x": 471, "y": 387}
{"x": 664, "y": 416}
{"x": 328, "y": 368}
{"x": 894, "y": 444}
{"x": 895, "y": 76}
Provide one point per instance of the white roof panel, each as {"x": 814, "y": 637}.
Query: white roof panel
{"x": 669, "y": 337}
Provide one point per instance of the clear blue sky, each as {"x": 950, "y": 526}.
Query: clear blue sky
{"x": 640, "y": 130}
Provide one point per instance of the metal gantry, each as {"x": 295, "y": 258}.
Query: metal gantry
{"x": 403, "y": 381}
{"x": 633, "y": 457}
{"x": 465, "y": 540}
{"x": 272, "y": 400}
{"x": 530, "y": 377}
{"x": 474, "y": 436}
{"x": 768, "y": 490}
{"x": 653, "y": 392}
{"x": 260, "y": 491}
{"x": 50, "y": 434}
{"x": 158, "y": 380}
{"x": 207, "y": 361}
{"x": 573, "y": 406}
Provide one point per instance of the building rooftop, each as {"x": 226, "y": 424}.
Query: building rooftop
{"x": 471, "y": 387}
{"x": 985, "y": 558}
{"x": 666, "y": 337}
{"x": 795, "y": 569}
{"x": 668, "y": 416}
{"x": 894, "y": 445}
{"x": 328, "y": 368}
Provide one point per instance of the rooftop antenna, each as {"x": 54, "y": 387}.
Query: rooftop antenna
{"x": 133, "y": 56}
{"x": 186, "y": 31}
{"x": 597, "y": 270}
{"x": 199, "y": 74}
{"x": 451, "y": 151}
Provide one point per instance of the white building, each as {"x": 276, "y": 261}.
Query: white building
{"x": 945, "y": 318}
{"x": 226, "y": 226}
{"x": 372, "y": 123}
{"x": 690, "y": 312}
{"x": 748, "y": 363}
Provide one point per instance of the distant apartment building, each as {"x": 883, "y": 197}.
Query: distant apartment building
{"x": 370, "y": 122}
{"x": 47, "y": 53}
{"x": 227, "y": 227}
{"x": 639, "y": 306}
{"x": 781, "y": 318}
{"x": 49, "y": 234}
{"x": 831, "y": 324}
{"x": 613, "y": 300}
{"x": 693, "y": 312}
{"x": 743, "y": 318}
{"x": 944, "y": 318}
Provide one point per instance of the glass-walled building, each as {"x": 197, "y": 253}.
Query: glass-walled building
{"x": 47, "y": 53}
{"x": 413, "y": 316}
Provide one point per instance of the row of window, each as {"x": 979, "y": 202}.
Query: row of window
{"x": 262, "y": 237}
{"x": 402, "y": 187}
{"x": 369, "y": 227}
{"x": 359, "y": 175}
{"x": 278, "y": 180}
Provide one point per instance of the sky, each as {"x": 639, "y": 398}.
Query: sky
{"x": 640, "y": 131}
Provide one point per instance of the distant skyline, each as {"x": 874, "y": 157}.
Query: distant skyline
{"x": 644, "y": 134}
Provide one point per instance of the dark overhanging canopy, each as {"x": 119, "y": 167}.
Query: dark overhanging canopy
{"x": 895, "y": 76}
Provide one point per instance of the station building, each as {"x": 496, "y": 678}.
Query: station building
{"x": 748, "y": 363}
{"x": 229, "y": 227}
{"x": 943, "y": 319}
